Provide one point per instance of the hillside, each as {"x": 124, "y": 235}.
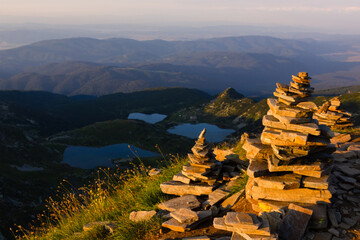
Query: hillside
{"x": 54, "y": 112}
{"x": 337, "y": 91}
{"x": 138, "y": 133}
{"x": 24, "y": 115}
{"x": 31, "y": 162}
{"x": 228, "y": 109}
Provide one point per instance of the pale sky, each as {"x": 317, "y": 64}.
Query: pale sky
{"x": 330, "y": 14}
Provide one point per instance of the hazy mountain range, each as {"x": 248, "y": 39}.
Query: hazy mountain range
{"x": 250, "y": 64}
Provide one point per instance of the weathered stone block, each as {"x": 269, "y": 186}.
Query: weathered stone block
{"x": 188, "y": 201}
{"x": 294, "y": 223}
{"x": 284, "y": 181}
{"x": 141, "y": 215}
{"x": 180, "y": 189}
{"x": 184, "y": 215}
{"x": 300, "y": 195}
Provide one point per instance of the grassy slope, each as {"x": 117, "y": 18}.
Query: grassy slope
{"x": 112, "y": 197}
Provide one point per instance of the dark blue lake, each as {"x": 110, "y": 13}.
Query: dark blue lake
{"x": 213, "y": 132}
{"x": 149, "y": 118}
{"x": 92, "y": 157}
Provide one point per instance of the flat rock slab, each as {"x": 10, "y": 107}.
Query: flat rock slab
{"x": 219, "y": 223}
{"x": 271, "y": 121}
{"x": 242, "y": 220}
{"x": 174, "y": 225}
{"x": 341, "y": 138}
{"x": 308, "y": 105}
{"x": 217, "y": 196}
{"x": 141, "y": 215}
{"x": 181, "y": 178}
{"x": 286, "y": 137}
{"x": 263, "y": 232}
{"x": 230, "y": 201}
{"x": 180, "y": 189}
{"x": 315, "y": 174}
{"x": 286, "y": 181}
{"x": 188, "y": 201}
{"x": 300, "y": 195}
{"x": 256, "y": 150}
{"x": 317, "y": 183}
{"x": 294, "y": 224}
{"x": 184, "y": 215}
{"x": 295, "y": 166}
{"x": 262, "y": 205}
{"x": 286, "y": 111}
{"x": 349, "y": 171}
{"x": 257, "y": 168}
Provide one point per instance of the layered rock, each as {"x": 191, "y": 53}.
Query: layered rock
{"x": 292, "y": 162}
{"x": 203, "y": 179}
{"x": 199, "y": 176}
{"x": 331, "y": 115}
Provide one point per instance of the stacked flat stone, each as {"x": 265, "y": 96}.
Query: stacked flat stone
{"x": 199, "y": 176}
{"x": 292, "y": 161}
{"x": 329, "y": 114}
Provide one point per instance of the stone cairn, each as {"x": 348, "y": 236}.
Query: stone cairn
{"x": 329, "y": 114}
{"x": 202, "y": 168}
{"x": 203, "y": 184}
{"x": 289, "y": 169}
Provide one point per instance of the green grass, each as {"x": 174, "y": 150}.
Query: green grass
{"x": 110, "y": 198}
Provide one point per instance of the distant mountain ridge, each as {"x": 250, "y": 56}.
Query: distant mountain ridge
{"x": 125, "y": 51}
{"x": 97, "y": 67}
{"x": 207, "y": 71}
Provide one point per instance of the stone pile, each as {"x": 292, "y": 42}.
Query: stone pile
{"x": 267, "y": 226}
{"x": 344, "y": 211}
{"x": 329, "y": 114}
{"x": 203, "y": 186}
{"x": 200, "y": 175}
{"x": 292, "y": 161}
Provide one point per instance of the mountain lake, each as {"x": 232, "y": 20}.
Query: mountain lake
{"x": 92, "y": 157}
{"x": 149, "y": 118}
{"x": 213, "y": 132}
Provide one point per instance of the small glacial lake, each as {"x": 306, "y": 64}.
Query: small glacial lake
{"x": 92, "y": 157}
{"x": 149, "y": 118}
{"x": 213, "y": 132}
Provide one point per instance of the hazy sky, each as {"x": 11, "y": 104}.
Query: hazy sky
{"x": 330, "y": 14}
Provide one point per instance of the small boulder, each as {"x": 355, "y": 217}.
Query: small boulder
{"x": 141, "y": 215}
